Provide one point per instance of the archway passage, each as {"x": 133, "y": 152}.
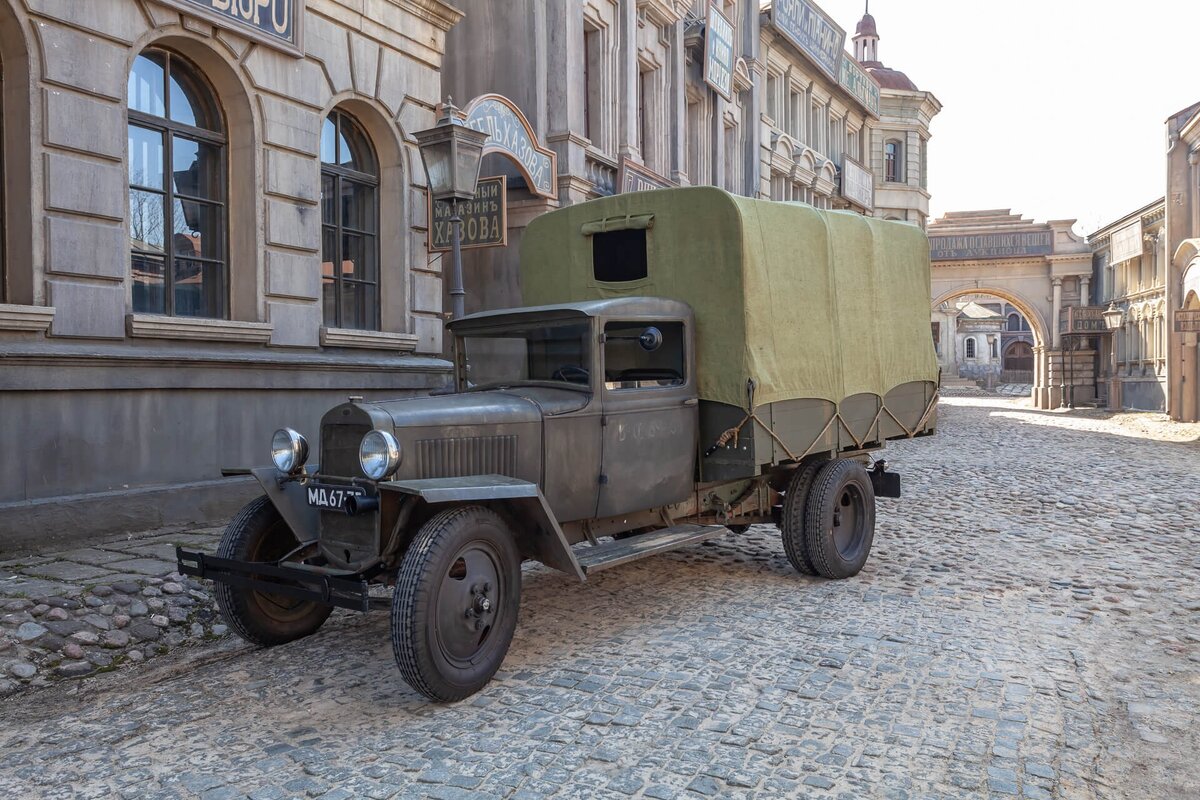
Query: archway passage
{"x": 1047, "y": 372}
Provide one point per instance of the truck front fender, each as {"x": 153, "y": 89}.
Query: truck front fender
{"x": 288, "y": 498}
{"x": 543, "y": 539}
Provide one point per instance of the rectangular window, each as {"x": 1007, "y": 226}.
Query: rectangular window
{"x": 642, "y": 356}
{"x": 593, "y": 70}
{"x": 619, "y": 256}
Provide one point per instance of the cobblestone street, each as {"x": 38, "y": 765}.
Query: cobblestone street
{"x": 1028, "y": 625}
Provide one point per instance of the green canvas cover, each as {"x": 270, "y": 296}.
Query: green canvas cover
{"x": 807, "y": 303}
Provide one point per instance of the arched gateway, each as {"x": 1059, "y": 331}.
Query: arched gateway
{"x": 1041, "y": 269}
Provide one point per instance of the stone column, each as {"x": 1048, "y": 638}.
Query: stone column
{"x": 1055, "y": 336}
{"x": 1085, "y": 286}
{"x": 628, "y": 75}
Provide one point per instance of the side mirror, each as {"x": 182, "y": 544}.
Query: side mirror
{"x": 651, "y": 339}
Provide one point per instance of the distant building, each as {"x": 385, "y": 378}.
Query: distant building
{"x": 1129, "y": 271}
{"x": 634, "y": 94}
{"x": 900, "y": 140}
{"x": 985, "y": 340}
{"x": 1183, "y": 274}
{"x": 1043, "y": 270}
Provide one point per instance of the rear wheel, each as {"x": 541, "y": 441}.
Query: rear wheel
{"x": 792, "y": 518}
{"x": 455, "y": 606}
{"x": 259, "y": 534}
{"x": 840, "y": 519}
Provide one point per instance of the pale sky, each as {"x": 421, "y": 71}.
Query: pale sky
{"x": 1053, "y": 108}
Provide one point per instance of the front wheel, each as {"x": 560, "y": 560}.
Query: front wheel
{"x": 259, "y": 534}
{"x": 455, "y": 606}
{"x": 839, "y": 519}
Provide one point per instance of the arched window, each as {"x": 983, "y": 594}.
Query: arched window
{"x": 970, "y": 347}
{"x": 1014, "y": 322}
{"x": 891, "y": 161}
{"x": 349, "y": 225}
{"x": 177, "y": 190}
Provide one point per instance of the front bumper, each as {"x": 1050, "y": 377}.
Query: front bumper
{"x": 341, "y": 591}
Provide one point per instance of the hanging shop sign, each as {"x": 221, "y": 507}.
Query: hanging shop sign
{"x": 860, "y": 84}
{"x": 813, "y": 33}
{"x": 510, "y": 134}
{"x": 718, "y": 53}
{"x": 991, "y": 245}
{"x": 1082, "y": 319}
{"x": 1187, "y": 320}
{"x": 1125, "y": 243}
{"x": 484, "y": 219}
{"x": 858, "y": 184}
{"x": 633, "y": 177}
{"x": 273, "y": 22}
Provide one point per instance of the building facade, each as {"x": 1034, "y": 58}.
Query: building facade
{"x": 760, "y": 99}
{"x": 1182, "y": 292}
{"x": 1129, "y": 273}
{"x": 980, "y": 338}
{"x": 213, "y": 224}
{"x": 1043, "y": 271}
{"x": 900, "y": 140}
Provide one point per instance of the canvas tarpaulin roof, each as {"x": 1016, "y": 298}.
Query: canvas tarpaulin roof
{"x": 805, "y": 302}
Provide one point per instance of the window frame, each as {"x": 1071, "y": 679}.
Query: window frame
{"x": 339, "y": 229}
{"x": 609, "y": 388}
{"x": 893, "y": 158}
{"x": 169, "y": 129}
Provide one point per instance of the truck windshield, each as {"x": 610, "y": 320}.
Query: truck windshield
{"x": 547, "y": 354}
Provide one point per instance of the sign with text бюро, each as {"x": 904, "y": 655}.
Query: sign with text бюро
{"x": 272, "y": 22}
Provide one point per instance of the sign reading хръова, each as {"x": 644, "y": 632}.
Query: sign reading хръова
{"x": 270, "y": 21}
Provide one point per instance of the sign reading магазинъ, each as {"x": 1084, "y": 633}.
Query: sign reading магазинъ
{"x": 857, "y": 82}
{"x": 272, "y": 21}
{"x": 484, "y": 219}
{"x": 718, "y": 53}
{"x": 815, "y": 34}
{"x": 991, "y": 245}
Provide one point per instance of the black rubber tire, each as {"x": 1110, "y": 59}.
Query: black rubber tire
{"x": 840, "y": 519}
{"x": 418, "y": 643}
{"x": 258, "y": 533}
{"x": 792, "y": 516}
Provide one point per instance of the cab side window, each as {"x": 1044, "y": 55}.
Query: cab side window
{"x": 640, "y": 355}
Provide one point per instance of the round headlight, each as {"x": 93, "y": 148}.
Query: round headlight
{"x": 379, "y": 455}
{"x": 289, "y": 450}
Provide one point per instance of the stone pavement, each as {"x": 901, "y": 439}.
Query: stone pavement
{"x": 73, "y": 613}
{"x": 1028, "y": 626}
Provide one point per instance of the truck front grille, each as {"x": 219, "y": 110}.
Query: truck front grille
{"x": 470, "y": 455}
{"x": 339, "y": 450}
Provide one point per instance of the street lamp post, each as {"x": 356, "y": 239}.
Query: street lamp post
{"x": 451, "y": 153}
{"x": 1114, "y": 318}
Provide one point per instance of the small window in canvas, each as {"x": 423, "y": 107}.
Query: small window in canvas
{"x": 619, "y": 256}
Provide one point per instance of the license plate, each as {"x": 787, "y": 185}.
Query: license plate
{"x": 332, "y": 498}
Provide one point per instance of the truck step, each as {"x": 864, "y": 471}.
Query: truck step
{"x": 610, "y": 554}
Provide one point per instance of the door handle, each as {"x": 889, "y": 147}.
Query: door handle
{"x": 691, "y": 401}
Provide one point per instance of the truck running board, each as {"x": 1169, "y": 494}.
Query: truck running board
{"x": 621, "y": 551}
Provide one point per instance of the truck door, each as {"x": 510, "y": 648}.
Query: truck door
{"x": 650, "y": 417}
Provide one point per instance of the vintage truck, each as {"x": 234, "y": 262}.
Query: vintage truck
{"x": 690, "y": 363}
